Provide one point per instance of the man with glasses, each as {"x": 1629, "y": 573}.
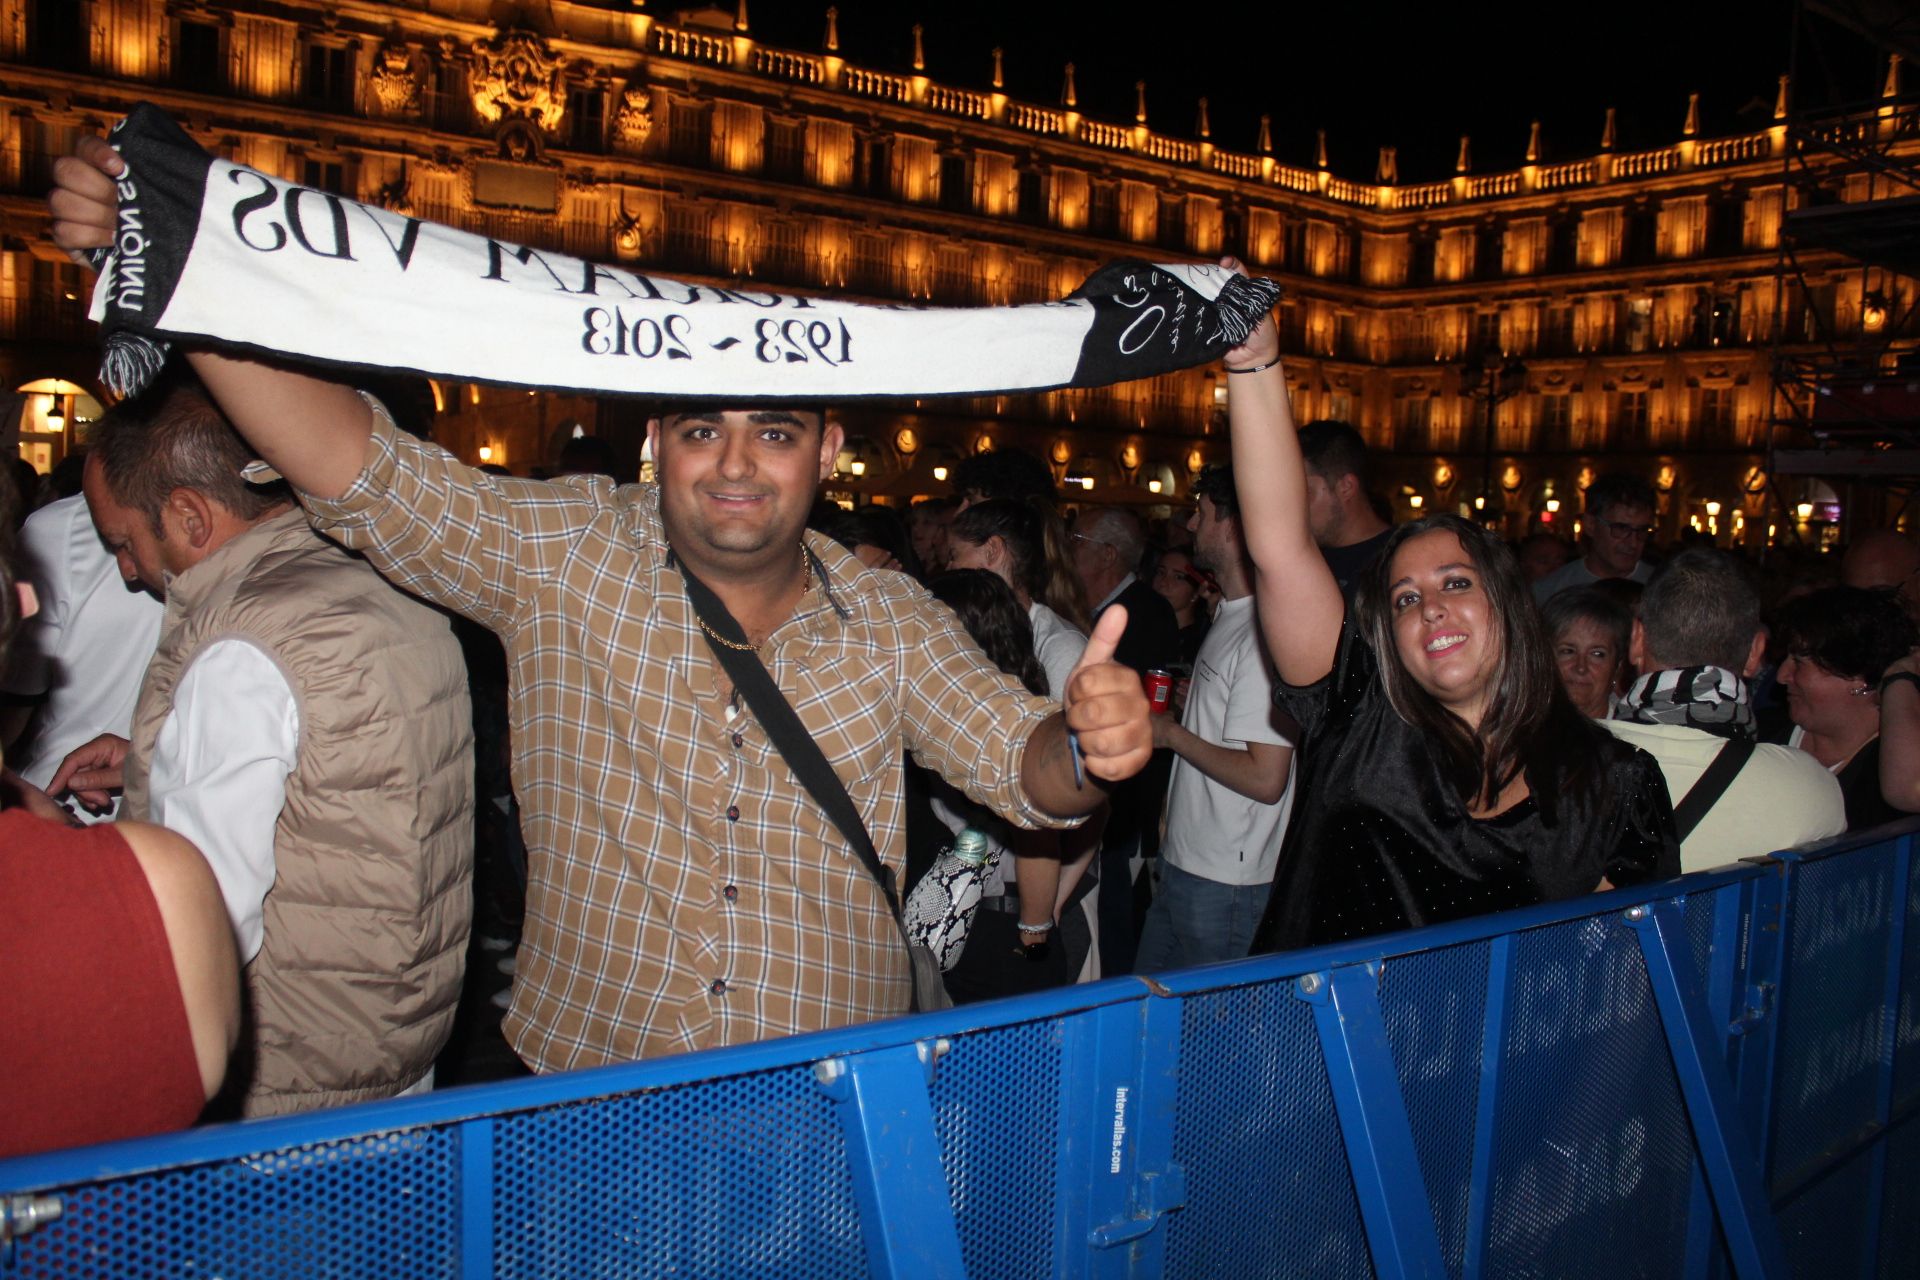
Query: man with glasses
{"x": 1620, "y": 510}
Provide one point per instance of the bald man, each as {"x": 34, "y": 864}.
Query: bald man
{"x": 1885, "y": 559}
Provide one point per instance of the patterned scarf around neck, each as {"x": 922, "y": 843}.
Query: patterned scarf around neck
{"x": 1711, "y": 699}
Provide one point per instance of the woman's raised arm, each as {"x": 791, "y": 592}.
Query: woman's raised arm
{"x": 1299, "y": 602}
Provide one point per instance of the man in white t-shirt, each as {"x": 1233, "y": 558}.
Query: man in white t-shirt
{"x": 1696, "y": 642}
{"x": 77, "y": 664}
{"x": 1230, "y": 795}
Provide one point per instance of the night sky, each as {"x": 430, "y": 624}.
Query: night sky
{"x": 1411, "y": 76}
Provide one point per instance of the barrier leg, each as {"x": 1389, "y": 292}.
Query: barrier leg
{"x": 1493, "y": 1047}
{"x": 906, "y": 1215}
{"x": 1726, "y": 1152}
{"x": 1116, "y": 1178}
{"x": 476, "y": 1198}
{"x": 1373, "y": 1121}
{"x": 1889, "y": 1049}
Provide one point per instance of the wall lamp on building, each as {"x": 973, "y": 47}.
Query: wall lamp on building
{"x": 1873, "y": 312}
{"x": 1804, "y": 511}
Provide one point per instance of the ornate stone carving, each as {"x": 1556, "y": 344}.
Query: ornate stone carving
{"x": 396, "y": 196}
{"x": 517, "y": 77}
{"x": 633, "y": 122}
{"x": 397, "y": 80}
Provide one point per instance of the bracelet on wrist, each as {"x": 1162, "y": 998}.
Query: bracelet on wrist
{"x": 1032, "y": 929}
{"x": 1252, "y": 368}
{"x": 1894, "y": 677}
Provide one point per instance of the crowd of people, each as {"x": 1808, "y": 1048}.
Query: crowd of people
{"x": 260, "y": 730}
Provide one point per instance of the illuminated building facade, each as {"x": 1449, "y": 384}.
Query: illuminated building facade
{"x": 1502, "y": 336}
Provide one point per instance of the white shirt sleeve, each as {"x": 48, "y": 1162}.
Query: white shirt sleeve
{"x": 219, "y": 772}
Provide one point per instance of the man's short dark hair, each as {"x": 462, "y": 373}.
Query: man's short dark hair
{"x": 1333, "y": 448}
{"x": 172, "y": 437}
{"x": 1620, "y": 489}
{"x": 1701, "y": 609}
{"x": 1012, "y": 474}
{"x": 1216, "y": 485}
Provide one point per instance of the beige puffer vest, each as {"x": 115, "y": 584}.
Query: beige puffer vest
{"x": 354, "y": 989}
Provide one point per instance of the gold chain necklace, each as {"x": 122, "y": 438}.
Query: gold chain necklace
{"x": 806, "y": 580}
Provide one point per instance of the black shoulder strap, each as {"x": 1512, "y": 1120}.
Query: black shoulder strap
{"x": 1704, "y": 794}
{"x": 783, "y": 728}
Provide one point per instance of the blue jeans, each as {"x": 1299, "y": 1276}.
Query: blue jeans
{"x": 1196, "y": 921}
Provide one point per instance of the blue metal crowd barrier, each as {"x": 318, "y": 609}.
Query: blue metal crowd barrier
{"x": 1709, "y": 1077}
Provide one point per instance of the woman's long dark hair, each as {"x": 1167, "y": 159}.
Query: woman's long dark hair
{"x": 1529, "y": 725}
{"x": 992, "y": 615}
{"x": 1036, "y": 541}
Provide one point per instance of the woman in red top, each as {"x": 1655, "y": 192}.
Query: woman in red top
{"x": 122, "y": 998}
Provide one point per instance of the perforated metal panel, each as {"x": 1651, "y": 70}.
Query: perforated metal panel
{"x": 383, "y": 1206}
{"x": 738, "y": 1177}
{"x": 1825, "y": 1229}
{"x": 1434, "y": 1005}
{"x": 1831, "y": 1025}
{"x": 1592, "y": 1143}
{"x": 1900, "y": 1217}
{"x": 996, "y": 1107}
{"x": 1907, "y": 1039}
{"x": 1269, "y": 1191}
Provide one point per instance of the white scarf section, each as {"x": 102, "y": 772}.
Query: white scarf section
{"x": 217, "y": 253}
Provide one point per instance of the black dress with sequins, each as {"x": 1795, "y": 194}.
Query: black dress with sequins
{"x": 1382, "y": 841}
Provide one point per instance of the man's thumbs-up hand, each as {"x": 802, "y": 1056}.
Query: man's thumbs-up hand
{"x": 1107, "y": 708}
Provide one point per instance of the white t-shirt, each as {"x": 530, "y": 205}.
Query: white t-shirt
{"x": 219, "y": 773}
{"x": 1212, "y": 830}
{"x": 87, "y": 648}
{"x": 1058, "y": 644}
{"x": 1781, "y": 798}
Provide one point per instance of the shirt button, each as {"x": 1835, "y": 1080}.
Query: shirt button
{"x": 731, "y": 893}
{"x": 719, "y": 986}
{"x": 733, "y": 813}
{"x": 739, "y": 741}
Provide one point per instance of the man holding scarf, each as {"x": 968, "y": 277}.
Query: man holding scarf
{"x": 685, "y": 892}
{"x": 1697, "y": 641}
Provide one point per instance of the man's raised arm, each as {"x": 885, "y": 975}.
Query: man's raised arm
{"x": 311, "y": 431}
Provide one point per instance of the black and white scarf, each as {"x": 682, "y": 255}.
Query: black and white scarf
{"x": 210, "y": 251}
{"x": 1712, "y": 699}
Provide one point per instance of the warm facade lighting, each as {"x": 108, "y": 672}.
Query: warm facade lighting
{"x": 1804, "y": 511}
{"x": 1713, "y": 509}
{"x": 1153, "y": 486}
{"x": 1873, "y": 312}
{"x": 905, "y": 440}
{"x": 1553, "y": 505}
{"x": 486, "y": 453}
{"x": 939, "y": 473}
{"x": 1416, "y": 502}
{"x": 858, "y": 466}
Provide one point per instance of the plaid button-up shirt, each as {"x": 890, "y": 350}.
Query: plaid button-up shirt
{"x": 684, "y": 890}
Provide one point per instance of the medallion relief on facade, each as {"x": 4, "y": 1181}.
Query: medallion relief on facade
{"x": 633, "y": 122}
{"x": 397, "y": 80}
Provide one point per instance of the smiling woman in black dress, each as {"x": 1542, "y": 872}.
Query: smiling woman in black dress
{"x": 1443, "y": 771}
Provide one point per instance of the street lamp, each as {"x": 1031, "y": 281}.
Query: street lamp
{"x": 1490, "y": 378}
